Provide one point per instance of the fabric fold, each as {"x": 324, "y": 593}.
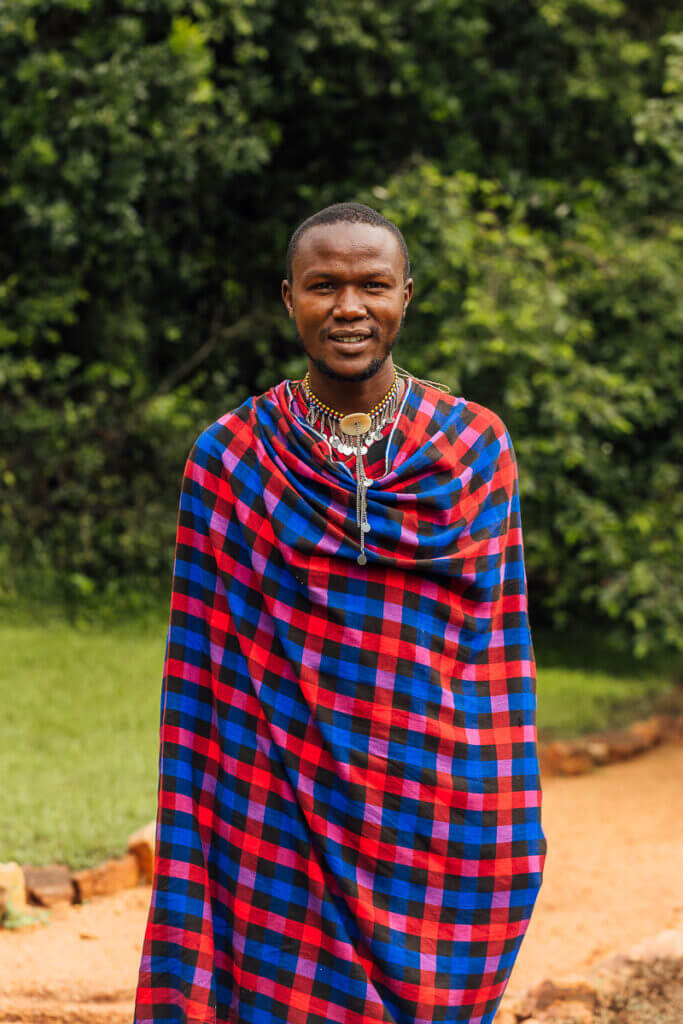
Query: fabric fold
{"x": 349, "y": 824}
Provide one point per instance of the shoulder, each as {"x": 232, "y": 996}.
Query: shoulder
{"x": 224, "y": 431}
{"x": 484, "y": 421}
{"x": 460, "y": 414}
{"x": 486, "y": 441}
{"x": 229, "y": 433}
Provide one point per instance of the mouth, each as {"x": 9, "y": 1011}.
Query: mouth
{"x": 349, "y": 341}
{"x": 352, "y": 344}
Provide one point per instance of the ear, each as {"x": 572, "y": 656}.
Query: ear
{"x": 407, "y": 293}
{"x": 286, "y": 290}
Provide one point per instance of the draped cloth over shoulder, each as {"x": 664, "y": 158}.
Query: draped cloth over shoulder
{"x": 349, "y": 824}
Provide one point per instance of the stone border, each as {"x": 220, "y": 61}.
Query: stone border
{"x": 578, "y": 756}
{"x": 52, "y": 884}
{"x": 650, "y": 967}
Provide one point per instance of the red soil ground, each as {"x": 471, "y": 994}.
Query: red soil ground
{"x": 614, "y": 875}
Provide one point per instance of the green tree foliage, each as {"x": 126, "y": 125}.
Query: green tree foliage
{"x": 565, "y": 318}
{"x": 155, "y": 156}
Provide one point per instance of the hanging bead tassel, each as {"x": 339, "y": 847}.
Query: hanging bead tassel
{"x": 361, "y": 503}
{"x": 357, "y": 425}
{"x": 354, "y": 434}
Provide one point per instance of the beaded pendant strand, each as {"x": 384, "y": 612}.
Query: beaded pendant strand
{"x": 354, "y": 433}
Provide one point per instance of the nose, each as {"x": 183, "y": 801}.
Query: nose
{"x": 349, "y": 305}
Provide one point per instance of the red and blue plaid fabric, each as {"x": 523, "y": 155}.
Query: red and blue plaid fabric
{"x": 349, "y": 820}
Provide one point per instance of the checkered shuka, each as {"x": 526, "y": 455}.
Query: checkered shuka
{"x": 349, "y": 806}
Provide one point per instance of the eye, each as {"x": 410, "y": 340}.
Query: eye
{"x": 377, "y": 284}
{"x": 321, "y": 284}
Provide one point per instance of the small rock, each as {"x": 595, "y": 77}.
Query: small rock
{"x": 107, "y": 878}
{"x": 650, "y": 730}
{"x": 12, "y": 887}
{"x": 537, "y": 998}
{"x": 49, "y": 884}
{"x": 667, "y": 945}
{"x": 569, "y": 1013}
{"x": 570, "y": 759}
{"x": 564, "y": 758}
{"x": 577, "y": 764}
{"x": 142, "y": 845}
{"x": 552, "y": 997}
{"x": 577, "y": 989}
{"x": 672, "y": 727}
{"x": 597, "y": 750}
{"x": 623, "y": 744}
{"x": 611, "y": 977}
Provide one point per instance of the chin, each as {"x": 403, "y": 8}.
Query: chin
{"x": 356, "y": 373}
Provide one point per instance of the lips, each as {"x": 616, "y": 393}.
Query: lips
{"x": 350, "y": 338}
{"x": 350, "y": 344}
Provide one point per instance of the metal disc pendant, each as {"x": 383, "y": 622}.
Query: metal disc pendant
{"x": 355, "y": 424}
{"x": 361, "y": 559}
{"x": 334, "y": 441}
{"x": 366, "y": 527}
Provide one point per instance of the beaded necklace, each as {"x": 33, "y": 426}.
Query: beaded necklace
{"x": 331, "y": 421}
{"x": 356, "y": 432}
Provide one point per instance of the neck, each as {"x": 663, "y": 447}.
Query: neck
{"x": 351, "y": 396}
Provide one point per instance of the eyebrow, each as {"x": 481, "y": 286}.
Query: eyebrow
{"x": 372, "y": 272}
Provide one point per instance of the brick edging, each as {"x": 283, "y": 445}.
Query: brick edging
{"x": 581, "y": 755}
{"x": 51, "y": 884}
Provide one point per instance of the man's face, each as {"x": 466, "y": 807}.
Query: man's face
{"x": 347, "y": 297}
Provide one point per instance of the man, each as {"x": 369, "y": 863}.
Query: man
{"x": 349, "y": 821}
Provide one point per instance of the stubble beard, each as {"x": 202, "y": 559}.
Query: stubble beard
{"x": 373, "y": 367}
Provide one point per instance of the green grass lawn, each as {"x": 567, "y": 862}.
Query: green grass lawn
{"x": 79, "y": 726}
{"x": 79, "y": 736}
{"x": 585, "y": 687}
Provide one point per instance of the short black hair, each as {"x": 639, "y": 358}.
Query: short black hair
{"x": 352, "y": 213}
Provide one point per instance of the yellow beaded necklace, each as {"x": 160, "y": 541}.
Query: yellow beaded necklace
{"x": 361, "y": 428}
{"x": 331, "y": 419}
{"x": 357, "y": 431}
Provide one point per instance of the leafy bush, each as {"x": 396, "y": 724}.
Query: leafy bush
{"x": 154, "y": 158}
{"x": 564, "y": 317}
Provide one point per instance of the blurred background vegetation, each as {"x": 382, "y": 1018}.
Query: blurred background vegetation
{"x": 155, "y": 156}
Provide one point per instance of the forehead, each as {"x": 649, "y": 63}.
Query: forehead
{"x": 347, "y": 246}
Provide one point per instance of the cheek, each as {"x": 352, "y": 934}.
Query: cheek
{"x": 311, "y": 309}
{"x": 390, "y": 312}
{"x": 301, "y": 316}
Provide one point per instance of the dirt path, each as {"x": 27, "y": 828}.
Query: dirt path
{"x": 614, "y": 875}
